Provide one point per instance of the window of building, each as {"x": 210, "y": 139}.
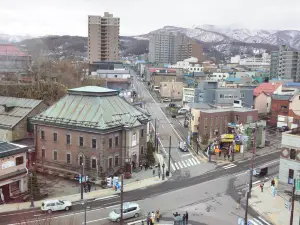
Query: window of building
{"x": 116, "y": 160}
{"x": 110, "y": 143}
{"x": 142, "y": 150}
{"x": 293, "y": 154}
{"x": 68, "y": 139}
{"x": 221, "y": 96}
{"x": 291, "y": 176}
{"x": 110, "y": 162}
{"x": 94, "y": 143}
{"x": 242, "y": 95}
{"x": 133, "y": 142}
{"x": 283, "y": 107}
{"x": 81, "y": 141}
{"x": 55, "y": 137}
{"x": 68, "y": 158}
{"x": 94, "y": 163}
{"x": 142, "y": 132}
{"x": 117, "y": 141}
{"x": 42, "y": 135}
{"x": 43, "y": 153}
{"x": 80, "y": 159}
{"x": 55, "y": 155}
{"x": 19, "y": 160}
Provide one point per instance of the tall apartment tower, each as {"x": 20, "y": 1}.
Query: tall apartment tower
{"x": 171, "y": 47}
{"x": 285, "y": 64}
{"x": 103, "y": 40}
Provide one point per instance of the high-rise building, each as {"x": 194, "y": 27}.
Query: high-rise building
{"x": 171, "y": 47}
{"x": 103, "y": 41}
{"x": 285, "y": 64}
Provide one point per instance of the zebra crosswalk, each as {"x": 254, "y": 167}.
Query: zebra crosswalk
{"x": 185, "y": 163}
{"x": 258, "y": 221}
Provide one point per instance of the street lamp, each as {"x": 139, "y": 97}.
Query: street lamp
{"x": 85, "y": 206}
{"x": 31, "y": 191}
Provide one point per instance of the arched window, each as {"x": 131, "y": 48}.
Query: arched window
{"x": 80, "y": 158}
{"x": 142, "y": 150}
{"x": 93, "y": 162}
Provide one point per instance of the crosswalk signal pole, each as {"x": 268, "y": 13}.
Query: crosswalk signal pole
{"x": 169, "y": 165}
{"x": 293, "y": 201}
{"x": 122, "y": 199}
{"x": 81, "y": 180}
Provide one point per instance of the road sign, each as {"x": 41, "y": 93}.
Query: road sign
{"x": 298, "y": 184}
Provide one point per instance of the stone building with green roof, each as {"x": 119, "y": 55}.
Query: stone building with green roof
{"x": 94, "y": 126}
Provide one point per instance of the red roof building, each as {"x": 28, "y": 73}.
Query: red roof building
{"x": 11, "y": 50}
{"x": 268, "y": 88}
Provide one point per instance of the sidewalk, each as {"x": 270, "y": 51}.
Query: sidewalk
{"x": 273, "y": 208}
{"x": 87, "y": 196}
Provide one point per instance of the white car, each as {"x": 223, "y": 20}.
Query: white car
{"x": 166, "y": 100}
{"x": 182, "y": 111}
{"x": 129, "y": 210}
{"x": 55, "y": 205}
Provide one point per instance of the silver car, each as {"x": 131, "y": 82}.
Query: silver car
{"x": 129, "y": 210}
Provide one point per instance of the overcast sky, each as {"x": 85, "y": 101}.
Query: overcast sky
{"x": 45, "y": 17}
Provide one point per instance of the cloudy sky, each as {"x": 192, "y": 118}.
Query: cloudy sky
{"x": 45, "y": 17}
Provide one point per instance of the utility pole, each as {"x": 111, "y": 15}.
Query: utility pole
{"x": 81, "y": 180}
{"x": 122, "y": 199}
{"x": 169, "y": 165}
{"x": 155, "y": 137}
{"x": 293, "y": 201}
{"x": 248, "y": 194}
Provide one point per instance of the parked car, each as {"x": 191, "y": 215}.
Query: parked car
{"x": 130, "y": 210}
{"x": 183, "y": 146}
{"x": 166, "y": 99}
{"x": 55, "y": 205}
{"x": 283, "y": 128}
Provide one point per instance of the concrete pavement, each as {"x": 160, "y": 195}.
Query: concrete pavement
{"x": 273, "y": 208}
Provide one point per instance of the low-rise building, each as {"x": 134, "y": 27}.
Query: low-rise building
{"x": 280, "y": 109}
{"x": 215, "y": 121}
{"x": 92, "y": 126}
{"x": 218, "y": 76}
{"x": 289, "y": 164}
{"x": 172, "y": 90}
{"x": 13, "y": 170}
{"x": 188, "y": 95}
{"x": 157, "y": 78}
{"x": 14, "y": 117}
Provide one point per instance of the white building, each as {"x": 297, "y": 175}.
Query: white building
{"x": 188, "y": 95}
{"x": 190, "y": 64}
{"x": 235, "y": 59}
{"x": 257, "y": 63}
{"x": 219, "y": 76}
{"x": 121, "y": 73}
{"x": 289, "y": 167}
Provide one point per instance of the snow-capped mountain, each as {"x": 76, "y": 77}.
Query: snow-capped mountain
{"x": 6, "y": 38}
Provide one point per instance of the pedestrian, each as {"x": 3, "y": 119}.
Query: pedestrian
{"x": 186, "y": 217}
{"x": 183, "y": 219}
{"x": 238, "y": 203}
{"x": 220, "y": 152}
{"x": 225, "y": 153}
{"x": 148, "y": 218}
{"x": 141, "y": 166}
{"x": 262, "y": 187}
{"x": 175, "y": 214}
{"x": 273, "y": 182}
{"x": 153, "y": 172}
{"x": 157, "y": 216}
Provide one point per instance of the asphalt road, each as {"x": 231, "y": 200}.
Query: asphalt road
{"x": 204, "y": 188}
{"x": 166, "y": 128}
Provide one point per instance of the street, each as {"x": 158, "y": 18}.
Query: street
{"x": 209, "y": 198}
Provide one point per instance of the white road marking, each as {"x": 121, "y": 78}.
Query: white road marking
{"x": 172, "y": 166}
{"x": 270, "y": 163}
{"x": 106, "y": 197}
{"x": 183, "y": 164}
{"x": 256, "y": 182}
{"x": 185, "y": 155}
{"x": 39, "y": 215}
{"x": 264, "y": 220}
{"x": 177, "y": 167}
{"x": 197, "y": 160}
{"x": 92, "y": 221}
{"x": 194, "y": 161}
{"x": 179, "y": 164}
{"x": 260, "y": 223}
{"x": 191, "y": 162}
{"x": 229, "y": 166}
{"x": 187, "y": 163}
{"x": 240, "y": 174}
{"x": 137, "y": 221}
{"x": 112, "y": 206}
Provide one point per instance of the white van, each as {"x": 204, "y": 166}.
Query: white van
{"x": 182, "y": 111}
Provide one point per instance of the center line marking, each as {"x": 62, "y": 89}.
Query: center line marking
{"x": 185, "y": 155}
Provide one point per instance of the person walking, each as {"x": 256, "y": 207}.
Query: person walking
{"x": 273, "y": 182}
{"x": 148, "y": 218}
{"x": 238, "y": 203}
{"x": 262, "y": 187}
{"x": 157, "y": 216}
{"x": 186, "y": 217}
{"x": 183, "y": 219}
{"x": 89, "y": 186}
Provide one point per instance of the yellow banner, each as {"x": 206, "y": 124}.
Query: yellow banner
{"x": 227, "y": 136}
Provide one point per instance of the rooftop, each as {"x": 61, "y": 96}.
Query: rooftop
{"x": 13, "y": 110}
{"x": 282, "y": 97}
{"x": 113, "y": 71}
{"x": 268, "y": 88}
{"x": 92, "y": 107}
{"x": 11, "y": 50}
{"x": 8, "y": 149}
{"x": 216, "y": 110}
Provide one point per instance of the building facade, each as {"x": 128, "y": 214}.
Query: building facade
{"x": 13, "y": 171}
{"x": 103, "y": 38}
{"x": 93, "y": 126}
{"x": 172, "y": 90}
{"x": 285, "y": 64}
{"x": 279, "y": 107}
{"x": 289, "y": 164}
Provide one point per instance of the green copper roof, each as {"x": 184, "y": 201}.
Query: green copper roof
{"x": 92, "y": 107}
